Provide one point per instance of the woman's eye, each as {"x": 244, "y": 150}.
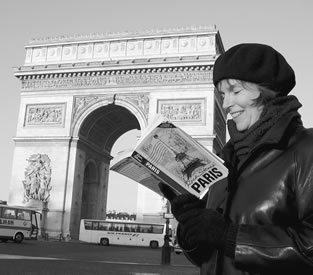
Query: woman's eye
{"x": 236, "y": 91}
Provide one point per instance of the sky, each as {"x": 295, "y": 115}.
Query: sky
{"x": 285, "y": 25}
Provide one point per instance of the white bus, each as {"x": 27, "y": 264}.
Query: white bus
{"x": 106, "y": 232}
{"x": 17, "y": 223}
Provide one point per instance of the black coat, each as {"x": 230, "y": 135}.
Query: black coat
{"x": 270, "y": 197}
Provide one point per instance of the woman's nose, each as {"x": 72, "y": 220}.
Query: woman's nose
{"x": 226, "y": 102}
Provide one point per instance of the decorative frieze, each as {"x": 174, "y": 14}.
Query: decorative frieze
{"x": 136, "y": 77}
{"x": 183, "y": 110}
{"x": 45, "y": 114}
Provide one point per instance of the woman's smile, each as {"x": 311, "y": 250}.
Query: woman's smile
{"x": 234, "y": 115}
{"x": 239, "y": 102}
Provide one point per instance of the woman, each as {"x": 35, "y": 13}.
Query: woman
{"x": 261, "y": 220}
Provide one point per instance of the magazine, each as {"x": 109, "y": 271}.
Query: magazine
{"x": 165, "y": 153}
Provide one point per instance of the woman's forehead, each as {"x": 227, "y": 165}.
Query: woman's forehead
{"x": 228, "y": 84}
{"x": 231, "y": 84}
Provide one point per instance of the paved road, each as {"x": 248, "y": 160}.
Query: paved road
{"x": 53, "y": 257}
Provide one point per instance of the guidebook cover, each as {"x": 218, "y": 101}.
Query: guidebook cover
{"x": 166, "y": 153}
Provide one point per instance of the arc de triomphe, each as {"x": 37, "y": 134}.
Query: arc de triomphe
{"x": 80, "y": 94}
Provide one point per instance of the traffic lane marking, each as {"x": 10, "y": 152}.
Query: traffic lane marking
{"x": 14, "y": 257}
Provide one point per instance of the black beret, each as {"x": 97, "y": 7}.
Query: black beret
{"x": 256, "y": 63}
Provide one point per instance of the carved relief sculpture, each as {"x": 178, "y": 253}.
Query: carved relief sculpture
{"x": 37, "y": 182}
{"x": 44, "y": 114}
{"x": 187, "y": 110}
{"x": 141, "y": 101}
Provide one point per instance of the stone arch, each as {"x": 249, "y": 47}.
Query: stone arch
{"x": 135, "y": 110}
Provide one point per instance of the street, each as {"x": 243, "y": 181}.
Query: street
{"x": 74, "y": 257}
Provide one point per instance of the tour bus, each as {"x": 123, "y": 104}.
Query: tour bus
{"x": 17, "y": 223}
{"x": 123, "y": 232}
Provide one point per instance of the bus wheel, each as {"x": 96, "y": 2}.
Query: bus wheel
{"x": 154, "y": 244}
{"x": 104, "y": 241}
{"x": 19, "y": 237}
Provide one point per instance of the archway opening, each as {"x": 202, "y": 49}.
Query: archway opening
{"x": 122, "y": 192}
{"x": 97, "y": 134}
{"x": 127, "y": 198}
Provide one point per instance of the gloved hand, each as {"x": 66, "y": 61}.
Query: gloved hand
{"x": 180, "y": 203}
{"x": 205, "y": 226}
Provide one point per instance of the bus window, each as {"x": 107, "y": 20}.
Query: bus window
{"x": 157, "y": 229}
{"x": 118, "y": 227}
{"x": 95, "y": 225}
{"x": 146, "y": 228}
{"x": 9, "y": 213}
{"x": 132, "y": 227}
{"x": 103, "y": 226}
{"x": 23, "y": 215}
{"x": 88, "y": 225}
{"x": 111, "y": 227}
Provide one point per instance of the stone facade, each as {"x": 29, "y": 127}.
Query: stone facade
{"x": 80, "y": 94}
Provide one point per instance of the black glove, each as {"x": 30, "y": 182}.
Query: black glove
{"x": 207, "y": 226}
{"x": 180, "y": 203}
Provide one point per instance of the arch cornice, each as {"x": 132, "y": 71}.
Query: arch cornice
{"x": 82, "y": 78}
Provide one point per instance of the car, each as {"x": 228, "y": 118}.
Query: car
{"x": 176, "y": 248}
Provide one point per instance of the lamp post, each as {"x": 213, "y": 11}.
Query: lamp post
{"x": 166, "y": 248}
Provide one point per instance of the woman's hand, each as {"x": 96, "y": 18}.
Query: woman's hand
{"x": 204, "y": 226}
{"x": 180, "y": 204}
{"x": 200, "y": 226}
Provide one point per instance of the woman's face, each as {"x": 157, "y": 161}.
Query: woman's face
{"x": 238, "y": 101}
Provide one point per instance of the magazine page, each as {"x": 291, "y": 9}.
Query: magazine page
{"x": 138, "y": 169}
{"x": 177, "y": 155}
